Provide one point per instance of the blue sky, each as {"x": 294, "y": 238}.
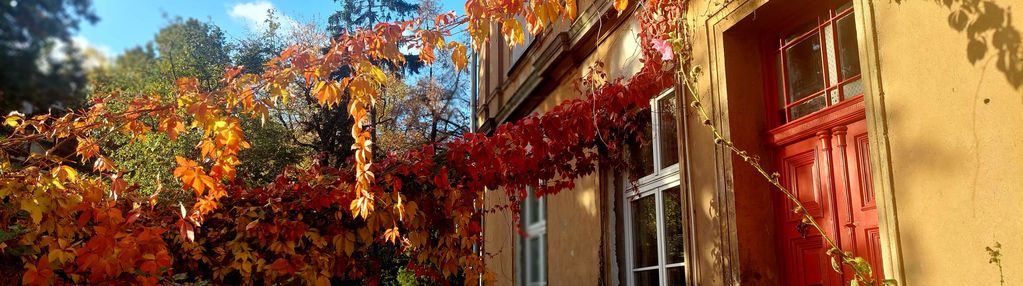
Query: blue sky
{"x": 128, "y": 23}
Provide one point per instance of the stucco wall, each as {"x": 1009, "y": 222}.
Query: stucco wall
{"x": 573, "y": 227}
{"x": 499, "y": 240}
{"x": 955, "y": 132}
{"x": 573, "y": 216}
{"x": 953, "y": 159}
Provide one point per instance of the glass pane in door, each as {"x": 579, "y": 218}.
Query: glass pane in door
{"x": 808, "y": 107}
{"x": 848, "y": 51}
{"x": 804, "y": 72}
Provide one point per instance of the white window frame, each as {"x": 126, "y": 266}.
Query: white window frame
{"x": 659, "y": 171}
{"x": 654, "y": 184}
{"x": 533, "y": 230}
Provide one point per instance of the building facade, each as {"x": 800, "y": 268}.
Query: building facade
{"x": 898, "y": 124}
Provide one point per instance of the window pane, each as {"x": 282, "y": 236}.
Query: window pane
{"x": 807, "y": 107}
{"x": 533, "y": 259}
{"x": 843, "y": 7}
{"x": 673, "y": 237}
{"x": 532, "y": 206}
{"x": 853, "y": 88}
{"x": 804, "y": 71}
{"x": 676, "y": 276}
{"x": 541, "y": 207}
{"x": 644, "y": 231}
{"x": 848, "y": 52}
{"x": 667, "y": 107}
{"x": 647, "y": 278}
{"x": 641, "y": 156}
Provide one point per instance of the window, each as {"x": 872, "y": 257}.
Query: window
{"x": 818, "y": 65}
{"x": 660, "y": 157}
{"x": 527, "y": 40}
{"x": 654, "y": 217}
{"x": 533, "y": 247}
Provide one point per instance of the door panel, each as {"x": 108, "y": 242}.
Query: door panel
{"x": 802, "y": 173}
{"x": 830, "y": 174}
{"x": 858, "y": 213}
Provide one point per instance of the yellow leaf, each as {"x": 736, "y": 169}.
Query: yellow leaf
{"x": 620, "y": 5}
{"x": 512, "y": 31}
{"x": 459, "y": 56}
{"x": 64, "y": 172}
{"x": 377, "y": 74}
{"x": 362, "y": 207}
{"x": 34, "y": 209}
{"x": 13, "y": 119}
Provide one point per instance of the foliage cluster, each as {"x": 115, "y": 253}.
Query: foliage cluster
{"x": 72, "y": 216}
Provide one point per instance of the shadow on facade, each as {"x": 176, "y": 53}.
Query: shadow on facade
{"x": 989, "y": 29}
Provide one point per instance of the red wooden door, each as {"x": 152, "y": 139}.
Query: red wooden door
{"x": 830, "y": 174}
{"x": 857, "y": 215}
{"x": 804, "y": 169}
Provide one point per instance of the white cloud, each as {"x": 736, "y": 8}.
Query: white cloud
{"x": 254, "y": 15}
{"x": 91, "y": 55}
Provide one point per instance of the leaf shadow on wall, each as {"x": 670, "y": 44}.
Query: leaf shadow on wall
{"x": 989, "y": 29}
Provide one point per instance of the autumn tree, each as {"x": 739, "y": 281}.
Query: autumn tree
{"x": 428, "y": 107}
{"x": 183, "y": 48}
{"x": 262, "y": 45}
{"x": 30, "y": 32}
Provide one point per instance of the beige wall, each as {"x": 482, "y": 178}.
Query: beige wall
{"x": 573, "y": 227}
{"x": 499, "y": 240}
{"x": 954, "y": 131}
{"x": 946, "y": 133}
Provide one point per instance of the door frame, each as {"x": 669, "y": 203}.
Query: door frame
{"x": 711, "y": 23}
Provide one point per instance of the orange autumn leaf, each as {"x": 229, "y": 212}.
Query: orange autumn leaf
{"x": 192, "y": 175}
{"x": 620, "y": 5}
{"x": 87, "y": 148}
{"x": 391, "y": 234}
{"x": 571, "y": 9}
{"x": 282, "y": 265}
{"x": 459, "y": 56}
{"x": 172, "y": 126}
{"x": 38, "y": 273}
{"x": 328, "y": 93}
